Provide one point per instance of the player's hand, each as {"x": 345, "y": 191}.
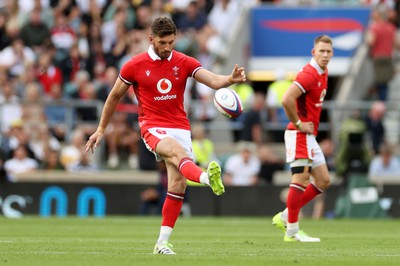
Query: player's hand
{"x": 307, "y": 127}
{"x": 238, "y": 74}
{"x": 94, "y": 141}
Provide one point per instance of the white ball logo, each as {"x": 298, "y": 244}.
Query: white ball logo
{"x": 164, "y": 86}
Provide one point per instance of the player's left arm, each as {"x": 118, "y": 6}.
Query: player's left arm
{"x": 216, "y": 81}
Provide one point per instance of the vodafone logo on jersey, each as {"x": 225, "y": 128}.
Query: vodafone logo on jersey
{"x": 164, "y": 86}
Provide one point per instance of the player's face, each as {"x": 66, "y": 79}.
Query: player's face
{"x": 322, "y": 53}
{"x": 163, "y": 45}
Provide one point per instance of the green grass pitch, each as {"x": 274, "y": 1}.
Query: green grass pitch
{"x": 197, "y": 241}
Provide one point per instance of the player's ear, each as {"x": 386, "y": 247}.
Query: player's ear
{"x": 313, "y": 52}
{"x": 151, "y": 38}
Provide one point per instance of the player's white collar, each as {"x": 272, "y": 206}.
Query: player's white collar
{"x": 154, "y": 56}
{"x": 315, "y": 65}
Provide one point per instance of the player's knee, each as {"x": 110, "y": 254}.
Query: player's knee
{"x": 322, "y": 182}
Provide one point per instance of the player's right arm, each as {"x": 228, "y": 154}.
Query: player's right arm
{"x": 117, "y": 92}
{"x": 289, "y": 102}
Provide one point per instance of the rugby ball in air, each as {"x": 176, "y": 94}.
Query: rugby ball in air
{"x": 228, "y": 103}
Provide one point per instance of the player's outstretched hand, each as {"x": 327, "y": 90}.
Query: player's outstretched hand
{"x": 238, "y": 74}
{"x": 94, "y": 141}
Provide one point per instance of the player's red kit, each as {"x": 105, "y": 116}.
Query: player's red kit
{"x": 159, "y": 87}
{"x": 313, "y": 81}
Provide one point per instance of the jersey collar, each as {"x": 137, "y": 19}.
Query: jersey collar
{"x": 315, "y": 65}
{"x": 154, "y": 56}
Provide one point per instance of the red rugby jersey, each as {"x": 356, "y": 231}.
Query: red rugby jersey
{"x": 159, "y": 86}
{"x": 313, "y": 81}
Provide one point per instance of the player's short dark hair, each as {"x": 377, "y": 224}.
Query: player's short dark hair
{"x": 323, "y": 38}
{"x": 163, "y": 26}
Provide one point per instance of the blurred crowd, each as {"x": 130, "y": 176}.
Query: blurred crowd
{"x": 60, "y": 58}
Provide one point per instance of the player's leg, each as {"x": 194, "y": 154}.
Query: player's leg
{"x": 300, "y": 180}
{"x": 292, "y": 153}
{"x": 179, "y": 154}
{"x": 297, "y": 145}
{"x": 171, "y": 209}
{"x": 288, "y": 220}
{"x": 318, "y": 185}
{"x": 321, "y": 179}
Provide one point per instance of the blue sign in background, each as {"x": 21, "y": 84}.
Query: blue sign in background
{"x": 289, "y": 32}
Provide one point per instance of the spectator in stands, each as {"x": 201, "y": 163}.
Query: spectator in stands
{"x": 83, "y": 42}
{"x": 245, "y": 91}
{"x": 328, "y": 149}
{"x": 270, "y": 163}
{"x": 15, "y": 136}
{"x": 120, "y": 46}
{"x": 76, "y": 88}
{"x": 44, "y": 9}
{"x": 35, "y": 32}
{"x": 189, "y": 24}
{"x": 157, "y": 9}
{"x": 19, "y": 163}
{"x": 385, "y": 163}
{"x": 109, "y": 30}
{"x": 9, "y": 106}
{"x": 116, "y": 5}
{"x": 48, "y": 73}
{"x": 242, "y": 168}
{"x": 382, "y": 40}
{"x": 143, "y": 20}
{"x": 375, "y": 126}
{"x": 63, "y": 36}
{"x": 56, "y": 111}
{"x": 85, "y": 164}
{"x": 41, "y": 140}
{"x": 14, "y": 18}
{"x": 219, "y": 21}
{"x": 89, "y": 7}
{"x": 203, "y": 147}
{"x": 71, "y": 152}
{"x": 121, "y": 135}
{"x": 16, "y": 56}
{"x": 32, "y": 106}
{"x": 253, "y": 120}
{"x": 5, "y": 39}
{"x": 275, "y": 93}
{"x": 72, "y": 64}
{"x": 51, "y": 161}
{"x": 192, "y": 20}
{"x": 97, "y": 60}
{"x": 28, "y": 76}
{"x": 87, "y": 112}
{"x": 106, "y": 82}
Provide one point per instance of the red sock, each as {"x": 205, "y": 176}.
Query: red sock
{"x": 190, "y": 170}
{"x": 293, "y": 203}
{"x": 311, "y": 192}
{"x": 171, "y": 208}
